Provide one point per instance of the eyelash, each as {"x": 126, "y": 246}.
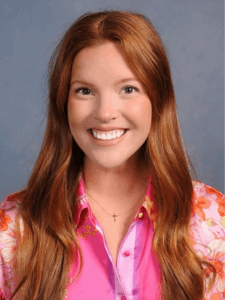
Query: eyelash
{"x": 84, "y": 88}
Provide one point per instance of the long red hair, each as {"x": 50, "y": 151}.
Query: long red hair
{"x": 48, "y": 202}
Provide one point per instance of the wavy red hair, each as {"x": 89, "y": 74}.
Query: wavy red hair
{"x": 48, "y": 202}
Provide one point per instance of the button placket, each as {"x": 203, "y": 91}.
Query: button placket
{"x": 125, "y": 264}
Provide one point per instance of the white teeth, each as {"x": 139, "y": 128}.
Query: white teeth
{"x": 115, "y": 135}
{"x": 108, "y": 136}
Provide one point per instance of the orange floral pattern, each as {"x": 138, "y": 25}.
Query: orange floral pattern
{"x": 208, "y": 231}
{"x": 201, "y": 204}
{"x": 221, "y": 209}
{"x": 4, "y": 220}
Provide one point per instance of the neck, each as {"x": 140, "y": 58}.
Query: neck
{"x": 117, "y": 188}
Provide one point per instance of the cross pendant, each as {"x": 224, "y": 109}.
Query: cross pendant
{"x": 115, "y": 217}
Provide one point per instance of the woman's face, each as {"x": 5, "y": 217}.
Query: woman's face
{"x": 100, "y": 96}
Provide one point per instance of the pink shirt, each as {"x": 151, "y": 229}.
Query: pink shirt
{"x": 137, "y": 275}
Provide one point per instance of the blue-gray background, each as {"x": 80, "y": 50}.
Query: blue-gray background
{"x": 193, "y": 34}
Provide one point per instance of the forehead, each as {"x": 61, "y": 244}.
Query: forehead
{"x": 107, "y": 59}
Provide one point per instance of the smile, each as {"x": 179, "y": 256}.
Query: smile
{"x": 110, "y": 135}
{"x": 109, "y": 139}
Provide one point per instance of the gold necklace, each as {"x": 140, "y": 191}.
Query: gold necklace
{"x": 114, "y": 215}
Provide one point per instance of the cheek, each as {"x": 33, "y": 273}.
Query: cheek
{"x": 147, "y": 109}
{"x": 142, "y": 114}
{"x": 75, "y": 114}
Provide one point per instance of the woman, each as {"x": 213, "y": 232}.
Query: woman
{"x": 110, "y": 210}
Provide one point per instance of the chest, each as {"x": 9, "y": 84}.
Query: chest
{"x": 115, "y": 232}
{"x": 113, "y": 239}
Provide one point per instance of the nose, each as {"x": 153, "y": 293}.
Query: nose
{"x": 106, "y": 108}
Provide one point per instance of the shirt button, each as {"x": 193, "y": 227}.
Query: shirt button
{"x": 126, "y": 253}
{"x": 140, "y": 215}
{"x": 123, "y": 298}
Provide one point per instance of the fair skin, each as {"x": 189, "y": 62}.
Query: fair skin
{"x": 112, "y": 174}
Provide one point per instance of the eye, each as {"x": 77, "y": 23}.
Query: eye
{"x": 85, "y": 90}
{"x": 130, "y": 89}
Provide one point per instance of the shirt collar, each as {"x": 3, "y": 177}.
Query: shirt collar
{"x": 82, "y": 204}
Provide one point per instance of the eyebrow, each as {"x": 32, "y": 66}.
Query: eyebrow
{"x": 115, "y": 83}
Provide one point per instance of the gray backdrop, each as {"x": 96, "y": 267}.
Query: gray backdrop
{"x": 193, "y": 34}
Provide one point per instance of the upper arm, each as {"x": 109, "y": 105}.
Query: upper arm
{"x": 8, "y": 245}
{"x": 208, "y": 225}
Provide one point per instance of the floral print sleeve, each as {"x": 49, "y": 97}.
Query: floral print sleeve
{"x": 208, "y": 229}
{"x": 8, "y": 245}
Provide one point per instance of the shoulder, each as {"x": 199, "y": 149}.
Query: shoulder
{"x": 8, "y": 211}
{"x": 203, "y": 189}
{"x": 208, "y": 203}
{"x": 208, "y": 231}
{"x": 8, "y": 242}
